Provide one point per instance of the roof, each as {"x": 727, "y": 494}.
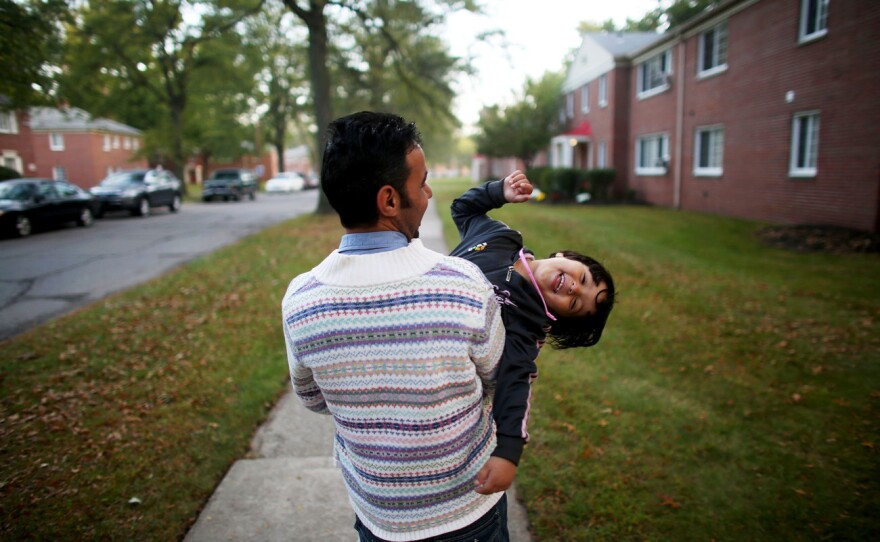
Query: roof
{"x": 600, "y": 52}
{"x": 74, "y": 119}
{"x": 622, "y": 44}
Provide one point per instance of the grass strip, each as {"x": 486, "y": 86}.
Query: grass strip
{"x": 148, "y": 395}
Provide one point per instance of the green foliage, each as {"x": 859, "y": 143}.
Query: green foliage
{"x": 143, "y": 76}
{"x": 30, "y": 37}
{"x": 8, "y": 173}
{"x": 524, "y": 128}
{"x": 599, "y": 181}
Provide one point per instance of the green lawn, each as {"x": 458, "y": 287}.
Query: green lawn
{"x": 734, "y": 395}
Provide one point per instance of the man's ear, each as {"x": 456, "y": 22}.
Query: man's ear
{"x": 388, "y": 201}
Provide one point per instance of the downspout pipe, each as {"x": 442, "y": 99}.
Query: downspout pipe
{"x": 679, "y": 124}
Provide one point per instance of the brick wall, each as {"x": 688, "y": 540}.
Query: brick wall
{"x": 770, "y": 77}
{"x": 83, "y": 158}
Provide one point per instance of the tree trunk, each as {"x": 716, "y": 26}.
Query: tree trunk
{"x": 176, "y": 106}
{"x": 320, "y": 79}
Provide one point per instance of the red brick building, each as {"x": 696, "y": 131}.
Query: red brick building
{"x": 68, "y": 144}
{"x": 761, "y": 109}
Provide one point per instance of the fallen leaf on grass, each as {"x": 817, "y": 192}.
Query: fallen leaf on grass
{"x": 666, "y": 500}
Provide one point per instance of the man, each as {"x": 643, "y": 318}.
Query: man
{"x": 400, "y": 344}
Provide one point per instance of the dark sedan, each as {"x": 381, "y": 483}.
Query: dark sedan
{"x": 26, "y": 204}
{"x": 137, "y": 191}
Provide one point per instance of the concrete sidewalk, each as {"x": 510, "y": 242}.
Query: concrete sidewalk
{"x": 287, "y": 489}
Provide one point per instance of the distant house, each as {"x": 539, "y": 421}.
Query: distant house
{"x": 760, "y": 109}
{"x": 595, "y": 110}
{"x": 69, "y": 144}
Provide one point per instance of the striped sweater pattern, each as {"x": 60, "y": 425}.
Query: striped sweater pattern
{"x": 401, "y": 348}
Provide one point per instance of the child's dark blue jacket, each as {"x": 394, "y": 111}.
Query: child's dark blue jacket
{"x": 494, "y": 248}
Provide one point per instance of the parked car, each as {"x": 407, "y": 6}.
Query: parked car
{"x": 230, "y": 184}
{"x": 286, "y": 181}
{"x": 137, "y": 191}
{"x": 29, "y": 203}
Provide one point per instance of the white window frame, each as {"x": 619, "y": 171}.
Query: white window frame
{"x": 135, "y": 144}
{"x": 116, "y": 142}
{"x": 8, "y": 122}
{"x": 585, "y": 99}
{"x": 603, "y": 90}
{"x": 601, "y": 155}
{"x": 11, "y": 159}
{"x": 660, "y": 155}
{"x": 657, "y": 67}
{"x": 718, "y": 36}
{"x": 56, "y": 141}
{"x": 819, "y": 20}
{"x": 106, "y": 142}
{"x": 715, "y": 168}
{"x": 804, "y": 156}
{"x": 59, "y": 173}
{"x": 126, "y": 143}
{"x": 569, "y": 105}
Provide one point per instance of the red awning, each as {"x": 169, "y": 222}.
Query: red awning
{"x": 582, "y": 129}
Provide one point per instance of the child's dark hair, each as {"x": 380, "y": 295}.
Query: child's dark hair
{"x": 584, "y": 331}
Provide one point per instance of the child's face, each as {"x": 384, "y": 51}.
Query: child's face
{"x": 568, "y": 287}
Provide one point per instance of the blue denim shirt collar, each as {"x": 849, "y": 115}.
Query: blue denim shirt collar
{"x": 371, "y": 242}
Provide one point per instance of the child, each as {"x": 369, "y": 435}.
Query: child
{"x": 566, "y": 298}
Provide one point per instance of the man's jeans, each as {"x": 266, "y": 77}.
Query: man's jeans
{"x": 492, "y": 527}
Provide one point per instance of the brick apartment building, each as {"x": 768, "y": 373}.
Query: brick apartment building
{"x": 67, "y": 144}
{"x": 760, "y": 109}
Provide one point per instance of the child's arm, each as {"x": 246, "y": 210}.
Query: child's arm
{"x": 469, "y": 210}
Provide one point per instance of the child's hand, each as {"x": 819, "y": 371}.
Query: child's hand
{"x": 496, "y": 475}
{"x": 517, "y": 187}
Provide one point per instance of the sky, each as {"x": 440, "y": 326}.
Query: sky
{"x": 539, "y": 32}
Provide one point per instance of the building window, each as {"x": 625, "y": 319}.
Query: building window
{"x": 601, "y": 160}
{"x": 12, "y": 160}
{"x": 569, "y": 105}
{"x": 585, "y": 99}
{"x": 106, "y": 143}
{"x": 59, "y": 173}
{"x": 804, "y": 144}
{"x": 652, "y": 154}
{"x": 136, "y": 144}
{"x": 709, "y": 151}
{"x": 116, "y": 142}
{"x": 56, "y": 141}
{"x": 713, "y": 51}
{"x": 603, "y": 90}
{"x": 8, "y": 124}
{"x": 654, "y": 74}
{"x": 126, "y": 143}
{"x": 814, "y": 19}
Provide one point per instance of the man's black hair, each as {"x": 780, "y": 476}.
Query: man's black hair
{"x": 364, "y": 152}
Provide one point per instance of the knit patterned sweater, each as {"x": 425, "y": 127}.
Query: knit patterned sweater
{"x": 401, "y": 348}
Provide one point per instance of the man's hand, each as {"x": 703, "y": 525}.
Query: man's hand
{"x": 496, "y": 475}
{"x": 517, "y": 187}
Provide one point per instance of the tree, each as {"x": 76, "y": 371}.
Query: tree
{"x": 155, "y": 56}
{"x": 370, "y": 15}
{"x": 524, "y": 128}
{"x": 30, "y": 38}
{"x": 282, "y": 79}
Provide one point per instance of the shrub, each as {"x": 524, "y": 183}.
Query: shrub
{"x": 8, "y": 173}
{"x": 600, "y": 180}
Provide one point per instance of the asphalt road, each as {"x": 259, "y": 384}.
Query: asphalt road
{"x": 51, "y": 273}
